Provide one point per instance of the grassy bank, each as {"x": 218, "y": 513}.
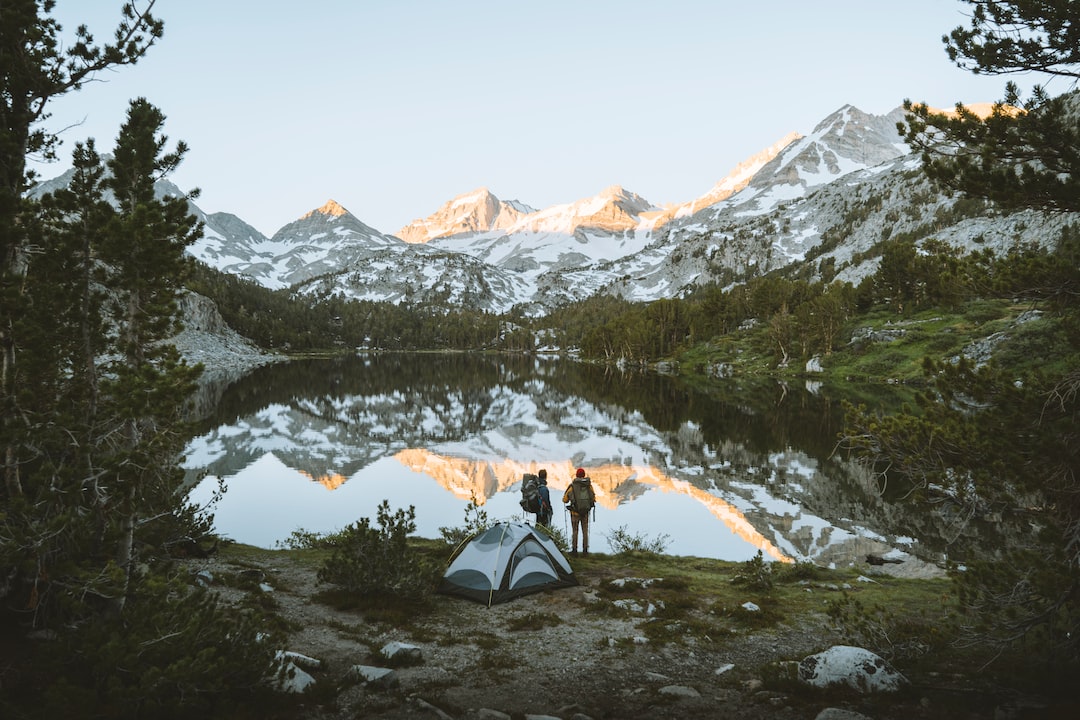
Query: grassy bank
{"x": 886, "y": 347}
{"x": 698, "y": 600}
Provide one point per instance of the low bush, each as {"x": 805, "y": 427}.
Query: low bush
{"x": 476, "y": 522}
{"x": 378, "y": 561}
{"x": 756, "y": 574}
{"x": 176, "y": 652}
{"x": 623, "y": 542}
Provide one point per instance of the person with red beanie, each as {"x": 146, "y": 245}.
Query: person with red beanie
{"x": 579, "y": 499}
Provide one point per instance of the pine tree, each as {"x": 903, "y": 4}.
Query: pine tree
{"x": 91, "y": 410}
{"x": 1025, "y": 153}
{"x": 35, "y": 67}
{"x": 147, "y": 385}
{"x": 63, "y": 507}
{"x": 995, "y": 442}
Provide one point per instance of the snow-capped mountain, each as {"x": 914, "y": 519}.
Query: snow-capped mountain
{"x": 322, "y": 241}
{"x": 610, "y": 225}
{"x": 846, "y": 141}
{"x": 477, "y": 211}
{"x": 831, "y": 195}
{"x": 483, "y": 252}
{"x": 738, "y": 179}
{"x": 228, "y": 243}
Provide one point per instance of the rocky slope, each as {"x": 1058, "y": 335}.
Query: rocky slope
{"x": 224, "y": 353}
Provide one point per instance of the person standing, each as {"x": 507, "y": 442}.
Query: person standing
{"x": 580, "y": 499}
{"x": 544, "y": 516}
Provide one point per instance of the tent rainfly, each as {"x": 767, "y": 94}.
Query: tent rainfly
{"x": 508, "y": 560}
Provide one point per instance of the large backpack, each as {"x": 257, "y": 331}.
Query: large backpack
{"x": 581, "y": 496}
{"x": 530, "y": 493}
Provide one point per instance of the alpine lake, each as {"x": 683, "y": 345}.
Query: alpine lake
{"x": 719, "y": 469}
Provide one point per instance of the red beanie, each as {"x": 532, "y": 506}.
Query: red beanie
{"x": 581, "y": 472}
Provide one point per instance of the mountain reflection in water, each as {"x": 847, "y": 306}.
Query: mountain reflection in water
{"x": 318, "y": 444}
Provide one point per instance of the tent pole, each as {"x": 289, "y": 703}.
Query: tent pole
{"x": 495, "y": 570}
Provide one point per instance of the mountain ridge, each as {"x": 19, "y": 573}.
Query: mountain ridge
{"x": 511, "y": 240}
{"x": 831, "y": 195}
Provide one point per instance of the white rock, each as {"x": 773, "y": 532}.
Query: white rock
{"x": 852, "y": 667}
{"x": 298, "y": 659}
{"x": 622, "y": 583}
{"x": 489, "y": 714}
{"x": 401, "y": 651}
{"x": 293, "y": 679}
{"x": 839, "y": 714}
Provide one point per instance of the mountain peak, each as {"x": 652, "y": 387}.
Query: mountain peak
{"x": 480, "y": 194}
{"x": 331, "y": 208}
{"x": 476, "y": 211}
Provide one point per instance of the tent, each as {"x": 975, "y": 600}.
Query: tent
{"x": 508, "y": 560}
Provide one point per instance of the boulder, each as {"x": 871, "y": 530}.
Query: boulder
{"x": 839, "y": 714}
{"x": 291, "y": 678}
{"x": 402, "y": 653}
{"x": 681, "y": 691}
{"x": 850, "y": 667}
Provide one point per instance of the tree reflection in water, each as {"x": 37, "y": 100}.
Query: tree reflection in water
{"x": 722, "y": 471}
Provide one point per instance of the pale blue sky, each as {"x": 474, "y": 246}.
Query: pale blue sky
{"x": 394, "y": 107}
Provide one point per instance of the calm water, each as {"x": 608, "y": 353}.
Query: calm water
{"x": 720, "y": 473}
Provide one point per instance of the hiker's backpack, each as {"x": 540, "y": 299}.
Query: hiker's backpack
{"x": 581, "y": 496}
{"x": 530, "y": 493}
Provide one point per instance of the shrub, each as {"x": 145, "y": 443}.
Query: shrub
{"x": 175, "y": 652}
{"x": 369, "y": 561}
{"x": 476, "y": 522}
{"x": 622, "y": 542}
{"x": 882, "y": 631}
{"x": 755, "y": 573}
{"x": 802, "y": 570}
{"x": 302, "y": 539}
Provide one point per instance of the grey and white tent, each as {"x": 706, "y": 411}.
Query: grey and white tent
{"x": 508, "y": 560}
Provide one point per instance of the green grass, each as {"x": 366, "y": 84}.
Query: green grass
{"x": 938, "y": 334}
